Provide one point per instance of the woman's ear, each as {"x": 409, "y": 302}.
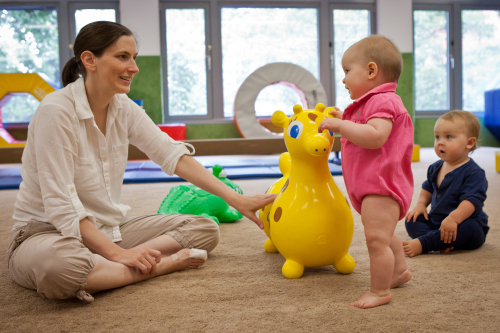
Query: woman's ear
{"x": 372, "y": 70}
{"x": 88, "y": 60}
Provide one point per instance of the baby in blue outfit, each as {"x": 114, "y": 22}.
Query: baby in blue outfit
{"x": 456, "y": 189}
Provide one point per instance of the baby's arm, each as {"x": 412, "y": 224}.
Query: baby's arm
{"x": 421, "y": 208}
{"x": 449, "y": 225}
{"x": 371, "y": 135}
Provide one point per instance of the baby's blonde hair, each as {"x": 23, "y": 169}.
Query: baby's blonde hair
{"x": 384, "y": 53}
{"x": 470, "y": 120}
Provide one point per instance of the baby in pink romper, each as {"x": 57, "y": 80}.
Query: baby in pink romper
{"x": 377, "y": 144}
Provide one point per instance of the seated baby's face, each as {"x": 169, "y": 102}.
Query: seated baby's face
{"x": 452, "y": 142}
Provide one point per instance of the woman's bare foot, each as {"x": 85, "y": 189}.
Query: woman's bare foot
{"x": 177, "y": 262}
{"x": 412, "y": 248}
{"x": 447, "y": 250}
{"x": 371, "y": 300}
{"x": 401, "y": 279}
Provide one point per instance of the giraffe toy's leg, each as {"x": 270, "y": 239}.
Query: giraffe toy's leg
{"x": 292, "y": 269}
{"x": 269, "y": 246}
{"x": 345, "y": 265}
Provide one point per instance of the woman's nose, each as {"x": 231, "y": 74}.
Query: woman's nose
{"x": 133, "y": 68}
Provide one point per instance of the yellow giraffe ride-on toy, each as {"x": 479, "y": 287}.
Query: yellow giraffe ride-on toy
{"x": 310, "y": 222}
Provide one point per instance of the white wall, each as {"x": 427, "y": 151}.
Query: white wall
{"x": 143, "y": 19}
{"x": 394, "y": 21}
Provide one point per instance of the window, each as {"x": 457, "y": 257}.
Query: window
{"x": 349, "y": 26}
{"x": 431, "y": 41}
{"x": 86, "y": 16}
{"x": 456, "y": 60}
{"x": 29, "y": 43}
{"x": 186, "y": 62}
{"x": 254, "y": 37}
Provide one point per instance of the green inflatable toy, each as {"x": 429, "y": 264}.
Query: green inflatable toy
{"x": 190, "y": 199}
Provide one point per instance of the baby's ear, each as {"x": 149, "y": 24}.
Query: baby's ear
{"x": 327, "y": 112}
{"x": 280, "y": 119}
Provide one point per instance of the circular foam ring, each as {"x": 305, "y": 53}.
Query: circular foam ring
{"x": 245, "y": 118}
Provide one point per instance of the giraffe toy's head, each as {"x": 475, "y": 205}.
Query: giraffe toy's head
{"x": 301, "y": 131}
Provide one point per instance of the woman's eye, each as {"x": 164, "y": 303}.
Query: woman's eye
{"x": 295, "y": 129}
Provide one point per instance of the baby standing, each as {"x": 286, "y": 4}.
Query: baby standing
{"x": 377, "y": 143}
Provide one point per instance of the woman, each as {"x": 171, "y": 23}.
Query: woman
{"x": 71, "y": 235}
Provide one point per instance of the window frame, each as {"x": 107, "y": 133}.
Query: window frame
{"x": 455, "y": 35}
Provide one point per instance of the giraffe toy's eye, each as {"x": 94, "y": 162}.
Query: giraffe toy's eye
{"x": 295, "y": 129}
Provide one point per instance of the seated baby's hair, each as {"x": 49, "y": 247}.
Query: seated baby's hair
{"x": 384, "y": 53}
{"x": 470, "y": 121}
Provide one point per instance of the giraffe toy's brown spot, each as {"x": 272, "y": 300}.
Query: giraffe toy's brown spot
{"x": 284, "y": 186}
{"x": 277, "y": 214}
{"x": 312, "y": 116}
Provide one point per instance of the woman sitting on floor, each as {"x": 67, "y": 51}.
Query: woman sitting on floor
{"x": 71, "y": 235}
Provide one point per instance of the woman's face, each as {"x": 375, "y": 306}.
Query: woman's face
{"x": 116, "y": 67}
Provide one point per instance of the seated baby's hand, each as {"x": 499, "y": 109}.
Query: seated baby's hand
{"x": 448, "y": 230}
{"x": 416, "y": 212}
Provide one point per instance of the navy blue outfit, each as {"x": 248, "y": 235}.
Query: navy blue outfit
{"x": 467, "y": 182}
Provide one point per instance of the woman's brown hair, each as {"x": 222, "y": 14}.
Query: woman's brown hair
{"x": 95, "y": 37}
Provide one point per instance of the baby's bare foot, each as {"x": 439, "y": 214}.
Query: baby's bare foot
{"x": 412, "y": 248}
{"x": 371, "y": 300}
{"x": 401, "y": 279}
{"x": 447, "y": 250}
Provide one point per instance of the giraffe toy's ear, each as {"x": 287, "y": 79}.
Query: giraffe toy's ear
{"x": 280, "y": 119}
{"x": 327, "y": 112}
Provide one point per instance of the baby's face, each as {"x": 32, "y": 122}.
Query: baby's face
{"x": 451, "y": 140}
{"x": 356, "y": 73}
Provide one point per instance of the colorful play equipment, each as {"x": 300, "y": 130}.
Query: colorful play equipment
{"x": 190, "y": 199}
{"x": 14, "y": 83}
{"x": 291, "y": 75}
{"x": 415, "y": 155}
{"x": 497, "y": 160}
{"x": 176, "y": 131}
{"x": 492, "y": 112}
{"x": 310, "y": 222}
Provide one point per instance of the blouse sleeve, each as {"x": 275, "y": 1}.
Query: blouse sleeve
{"x": 157, "y": 145}
{"x": 55, "y": 141}
{"x": 379, "y": 106}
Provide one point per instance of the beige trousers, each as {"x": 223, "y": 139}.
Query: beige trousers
{"x": 40, "y": 258}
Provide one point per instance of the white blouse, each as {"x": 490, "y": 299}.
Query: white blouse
{"x": 71, "y": 170}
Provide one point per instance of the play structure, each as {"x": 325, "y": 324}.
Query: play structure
{"x": 14, "y": 83}
{"x": 294, "y": 76}
{"x": 310, "y": 222}
{"x": 190, "y": 199}
{"x": 492, "y": 112}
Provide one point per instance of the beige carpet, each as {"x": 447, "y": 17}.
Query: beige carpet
{"x": 241, "y": 288}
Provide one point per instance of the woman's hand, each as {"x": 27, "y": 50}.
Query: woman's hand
{"x": 248, "y": 205}
{"x": 144, "y": 259}
{"x": 416, "y": 212}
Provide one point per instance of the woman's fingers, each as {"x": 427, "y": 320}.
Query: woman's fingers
{"x": 155, "y": 254}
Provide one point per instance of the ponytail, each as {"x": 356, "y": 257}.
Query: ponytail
{"x": 71, "y": 72}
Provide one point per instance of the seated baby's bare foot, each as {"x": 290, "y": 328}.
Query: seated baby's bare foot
{"x": 401, "y": 279}
{"x": 447, "y": 250}
{"x": 371, "y": 300}
{"x": 412, "y": 248}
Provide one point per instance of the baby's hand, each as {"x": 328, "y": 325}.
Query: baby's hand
{"x": 336, "y": 112}
{"x": 416, "y": 212}
{"x": 331, "y": 124}
{"x": 448, "y": 230}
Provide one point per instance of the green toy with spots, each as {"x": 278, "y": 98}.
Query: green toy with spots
{"x": 190, "y": 199}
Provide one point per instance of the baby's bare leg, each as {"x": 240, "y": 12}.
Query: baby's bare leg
{"x": 401, "y": 274}
{"x": 379, "y": 224}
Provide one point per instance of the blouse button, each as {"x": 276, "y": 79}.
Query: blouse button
{"x": 105, "y": 159}
{"x": 107, "y": 182}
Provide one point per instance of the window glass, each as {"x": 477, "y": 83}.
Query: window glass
{"x": 254, "y": 37}
{"x": 349, "y": 26}
{"x": 431, "y": 60}
{"x": 186, "y": 62}
{"x": 86, "y": 16}
{"x": 480, "y": 56}
{"x": 29, "y": 43}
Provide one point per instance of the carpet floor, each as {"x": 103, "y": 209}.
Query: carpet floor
{"x": 241, "y": 289}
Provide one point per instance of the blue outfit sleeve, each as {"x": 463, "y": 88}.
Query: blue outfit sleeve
{"x": 427, "y": 184}
{"x": 474, "y": 188}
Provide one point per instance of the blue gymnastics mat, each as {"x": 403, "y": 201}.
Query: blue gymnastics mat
{"x": 150, "y": 172}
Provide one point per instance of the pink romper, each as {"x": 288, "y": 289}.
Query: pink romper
{"x": 386, "y": 170}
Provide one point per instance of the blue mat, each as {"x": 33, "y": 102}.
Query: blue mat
{"x": 150, "y": 172}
